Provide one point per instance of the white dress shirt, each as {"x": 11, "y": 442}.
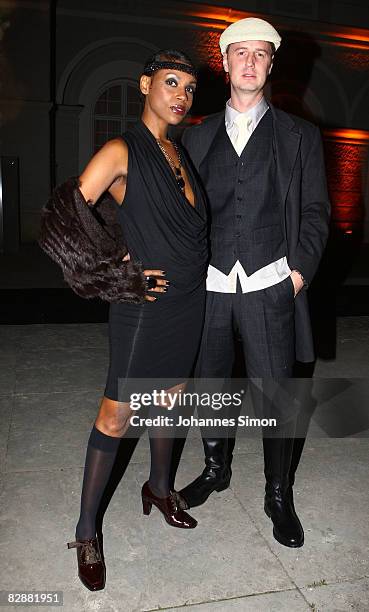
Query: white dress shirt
{"x": 239, "y": 128}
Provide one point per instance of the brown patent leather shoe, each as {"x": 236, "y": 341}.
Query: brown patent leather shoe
{"x": 91, "y": 567}
{"x": 169, "y": 507}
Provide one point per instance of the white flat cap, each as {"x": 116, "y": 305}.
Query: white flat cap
{"x": 250, "y": 28}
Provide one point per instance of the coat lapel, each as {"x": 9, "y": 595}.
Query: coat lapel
{"x": 286, "y": 143}
{"x": 208, "y": 132}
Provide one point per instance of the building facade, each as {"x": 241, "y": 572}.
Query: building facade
{"x": 70, "y": 70}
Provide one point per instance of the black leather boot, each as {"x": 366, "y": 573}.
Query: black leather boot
{"x": 298, "y": 446}
{"x": 215, "y": 477}
{"x": 308, "y": 406}
{"x": 278, "y": 504}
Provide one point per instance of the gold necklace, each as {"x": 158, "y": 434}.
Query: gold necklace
{"x": 176, "y": 169}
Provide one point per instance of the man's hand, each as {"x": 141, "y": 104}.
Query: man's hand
{"x": 297, "y": 280}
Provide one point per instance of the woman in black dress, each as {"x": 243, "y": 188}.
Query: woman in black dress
{"x": 162, "y": 212}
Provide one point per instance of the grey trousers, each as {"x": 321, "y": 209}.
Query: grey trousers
{"x": 265, "y": 322}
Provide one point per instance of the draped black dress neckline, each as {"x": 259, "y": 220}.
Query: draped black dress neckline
{"x": 162, "y": 229}
{"x": 198, "y": 207}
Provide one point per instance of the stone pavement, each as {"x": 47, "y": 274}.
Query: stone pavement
{"x": 51, "y": 378}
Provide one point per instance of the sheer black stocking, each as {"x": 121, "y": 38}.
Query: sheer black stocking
{"x": 161, "y": 449}
{"x": 100, "y": 457}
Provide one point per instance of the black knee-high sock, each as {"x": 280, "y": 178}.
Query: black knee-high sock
{"x": 100, "y": 457}
{"x": 161, "y": 448}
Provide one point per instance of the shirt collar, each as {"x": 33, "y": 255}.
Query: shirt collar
{"x": 256, "y": 113}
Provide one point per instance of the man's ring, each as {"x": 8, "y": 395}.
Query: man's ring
{"x": 151, "y": 282}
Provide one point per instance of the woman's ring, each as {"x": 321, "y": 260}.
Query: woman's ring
{"x": 151, "y": 282}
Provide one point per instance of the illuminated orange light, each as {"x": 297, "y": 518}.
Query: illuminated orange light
{"x": 350, "y": 45}
{"x": 214, "y": 26}
{"x": 352, "y": 36}
{"x": 348, "y": 135}
{"x": 346, "y": 155}
{"x": 228, "y": 16}
{"x": 221, "y": 18}
{"x": 207, "y": 44}
{"x": 213, "y": 16}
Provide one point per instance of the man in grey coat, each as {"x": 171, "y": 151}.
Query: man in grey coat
{"x": 263, "y": 171}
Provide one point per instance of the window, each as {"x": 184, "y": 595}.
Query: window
{"x": 116, "y": 108}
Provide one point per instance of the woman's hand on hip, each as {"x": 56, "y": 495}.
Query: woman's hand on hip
{"x": 161, "y": 284}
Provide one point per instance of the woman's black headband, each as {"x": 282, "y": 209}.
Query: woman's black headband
{"x": 165, "y": 65}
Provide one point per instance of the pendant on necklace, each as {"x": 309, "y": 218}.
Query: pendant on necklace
{"x": 180, "y": 180}
{"x": 177, "y": 169}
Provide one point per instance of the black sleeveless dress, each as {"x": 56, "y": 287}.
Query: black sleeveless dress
{"x": 154, "y": 345}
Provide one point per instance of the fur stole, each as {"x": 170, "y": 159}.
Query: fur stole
{"x": 87, "y": 242}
